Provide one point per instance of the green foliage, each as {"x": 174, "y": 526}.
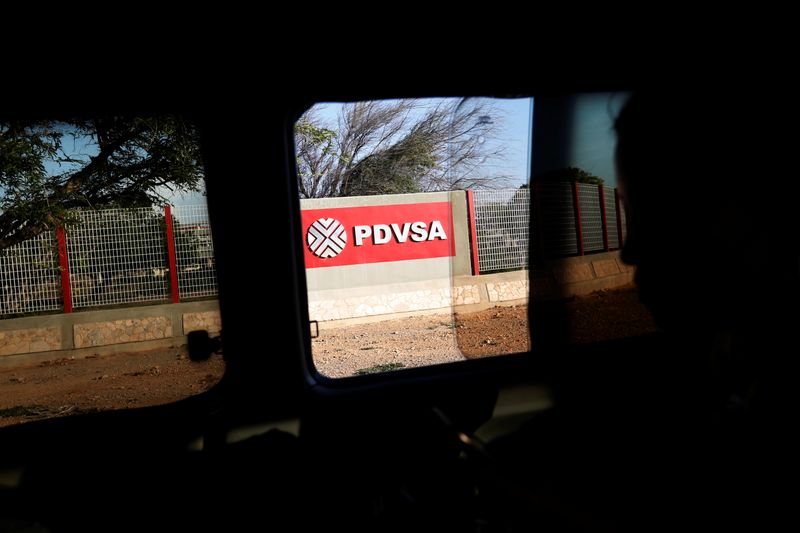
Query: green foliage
{"x": 128, "y": 162}
{"x": 314, "y": 134}
{"x": 377, "y": 369}
{"x": 22, "y": 410}
{"x": 570, "y": 174}
{"x": 380, "y": 174}
{"x": 312, "y": 138}
{"x": 395, "y": 170}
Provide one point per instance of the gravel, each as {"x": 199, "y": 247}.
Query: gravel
{"x": 434, "y": 339}
{"x": 391, "y": 344}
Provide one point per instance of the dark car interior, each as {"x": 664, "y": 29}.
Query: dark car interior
{"x": 603, "y": 436}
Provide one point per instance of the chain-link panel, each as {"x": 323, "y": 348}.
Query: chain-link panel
{"x": 194, "y": 252}
{"x": 624, "y": 225}
{"x": 501, "y": 225}
{"x": 558, "y": 214}
{"x": 30, "y": 280}
{"x": 611, "y": 218}
{"x": 591, "y": 217}
{"x": 118, "y": 256}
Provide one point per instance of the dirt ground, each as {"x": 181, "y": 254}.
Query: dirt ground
{"x": 78, "y": 385}
{"x": 434, "y": 339}
{"x": 99, "y": 383}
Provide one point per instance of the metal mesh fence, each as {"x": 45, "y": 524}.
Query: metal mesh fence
{"x": 591, "y": 217}
{"x": 501, "y": 225}
{"x": 611, "y": 218}
{"x": 558, "y": 214}
{"x": 30, "y": 280}
{"x": 194, "y": 251}
{"x": 117, "y": 256}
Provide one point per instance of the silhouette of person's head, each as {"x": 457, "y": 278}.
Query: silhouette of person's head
{"x": 713, "y": 232}
{"x": 711, "y": 224}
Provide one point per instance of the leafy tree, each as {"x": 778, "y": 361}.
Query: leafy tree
{"x": 398, "y": 169}
{"x": 130, "y": 163}
{"x": 570, "y": 174}
{"x": 386, "y": 147}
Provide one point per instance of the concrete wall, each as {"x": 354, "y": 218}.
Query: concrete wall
{"x": 564, "y": 277}
{"x": 364, "y": 292}
{"x": 576, "y": 276}
{"x": 39, "y": 338}
{"x": 419, "y": 270}
{"x": 97, "y": 332}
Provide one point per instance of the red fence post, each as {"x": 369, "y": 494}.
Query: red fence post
{"x": 602, "y": 194}
{"x": 173, "y": 263}
{"x": 619, "y": 218}
{"x": 63, "y": 263}
{"x": 576, "y": 204}
{"x": 473, "y": 234}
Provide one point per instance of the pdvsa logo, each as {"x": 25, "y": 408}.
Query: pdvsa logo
{"x": 401, "y": 233}
{"x": 326, "y": 237}
{"x": 366, "y": 234}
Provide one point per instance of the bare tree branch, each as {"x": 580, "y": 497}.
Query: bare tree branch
{"x": 379, "y": 147}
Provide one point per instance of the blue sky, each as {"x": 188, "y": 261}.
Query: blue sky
{"x": 516, "y": 136}
{"x": 594, "y": 140}
{"x": 514, "y": 119}
{"x": 84, "y": 147}
{"x": 590, "y": 139}
{"x": 589, "y": 143}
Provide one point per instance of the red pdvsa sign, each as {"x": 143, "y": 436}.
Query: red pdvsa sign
{"x": 377, "y": 234}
